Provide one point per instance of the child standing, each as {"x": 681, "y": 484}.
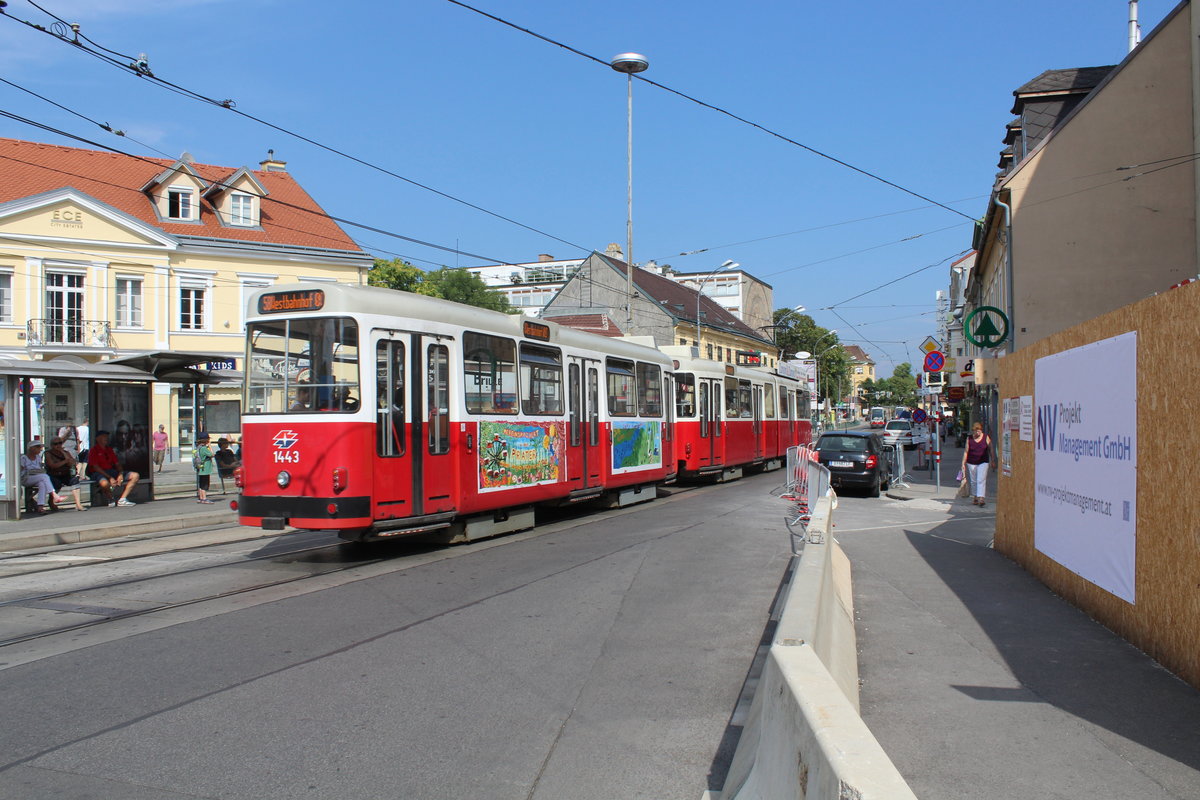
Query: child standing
{"x": 203, "y": 462}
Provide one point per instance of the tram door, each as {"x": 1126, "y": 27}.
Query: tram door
{"x": 431, "y": 446}
{"x": 757, "y": 405}
{"x": 395, "y": 483}
{"x": 585, "y": 464}
{"x": 712, "y": 442}
{"x": 413, "y": 476}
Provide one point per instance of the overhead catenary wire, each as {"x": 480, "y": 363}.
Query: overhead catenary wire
{"x": 339, "y": 220}
{"x": 230, "y": 105}
{"x": 711, "y": 107}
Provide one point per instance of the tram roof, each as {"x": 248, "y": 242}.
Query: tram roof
{"x": 346, "y": 298}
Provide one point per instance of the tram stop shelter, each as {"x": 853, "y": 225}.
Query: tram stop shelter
{"x": 114, "y": 396}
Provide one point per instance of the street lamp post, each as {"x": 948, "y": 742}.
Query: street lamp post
{"x": 729, "y": 264}
{"x": 630, "y": 64}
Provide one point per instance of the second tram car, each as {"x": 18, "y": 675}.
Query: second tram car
{"x": 730, "y": 418}
{"x": 377, "y": 413}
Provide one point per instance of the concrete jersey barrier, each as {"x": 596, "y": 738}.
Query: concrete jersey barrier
{"x": 804, "y": 737}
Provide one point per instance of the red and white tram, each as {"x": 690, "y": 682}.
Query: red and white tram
{"x": 377, "y": 413}
{"x": 731, "y": 418}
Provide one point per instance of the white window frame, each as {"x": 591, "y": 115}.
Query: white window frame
{"x": 190, "y": 287}
{"x": 133, "y": 321}
{"x": 245, "y": 217}
{"x": 6, "y": 296}
{"x": 184, "y": 192}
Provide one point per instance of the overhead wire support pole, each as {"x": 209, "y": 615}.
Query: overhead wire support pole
{"x": 629, "y": 63}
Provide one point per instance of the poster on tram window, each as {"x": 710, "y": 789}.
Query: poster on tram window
{"x": 513, "y": 455}
{"x": 1085, "y": 461}
{"x": 636, "y": 446}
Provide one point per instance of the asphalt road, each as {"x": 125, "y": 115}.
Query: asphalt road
{"x": 600, "y": 657}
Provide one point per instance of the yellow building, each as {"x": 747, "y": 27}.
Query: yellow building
{"x": 862, "y": 368}
{"x": 105, "y": 256}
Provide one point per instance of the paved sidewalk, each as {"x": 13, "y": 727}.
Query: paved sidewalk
{"x": 174, "y": 508}
{"x": 980, "y": 682}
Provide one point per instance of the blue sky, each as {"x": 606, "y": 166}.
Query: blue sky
{"x": 918, "y": 93}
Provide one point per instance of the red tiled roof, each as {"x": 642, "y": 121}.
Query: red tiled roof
{"x": 591, "y": 323}
{"x": 289, "y": 216}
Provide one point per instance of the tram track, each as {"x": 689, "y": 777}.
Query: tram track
{"x": 55, "y": 601}
{"x": 59, "y": 557}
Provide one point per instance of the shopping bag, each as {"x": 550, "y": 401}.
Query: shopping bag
{"x": 964, "y": 488}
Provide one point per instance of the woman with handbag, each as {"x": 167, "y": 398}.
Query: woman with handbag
{"x": 976, "y": 459}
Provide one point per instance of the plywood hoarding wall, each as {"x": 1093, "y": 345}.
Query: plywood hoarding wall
{"x": 1165, "y": 621}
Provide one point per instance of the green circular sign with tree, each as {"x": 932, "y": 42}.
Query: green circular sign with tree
{"x": 980, "y": 327}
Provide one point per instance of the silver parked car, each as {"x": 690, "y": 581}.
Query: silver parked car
{"x": 899, "y": 432}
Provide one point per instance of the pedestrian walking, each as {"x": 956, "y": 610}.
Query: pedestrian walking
{"x": 161, "y": 442}
{"x": 202, "y": 460}
{"x": 976, "y": 459}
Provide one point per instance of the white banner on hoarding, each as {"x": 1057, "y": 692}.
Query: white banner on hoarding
{"x": 1085, "y": 461}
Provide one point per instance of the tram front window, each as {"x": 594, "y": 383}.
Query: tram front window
{"x": 302, "y": 366}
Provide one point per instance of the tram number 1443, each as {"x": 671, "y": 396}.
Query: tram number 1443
{"x": 287, "y": 457}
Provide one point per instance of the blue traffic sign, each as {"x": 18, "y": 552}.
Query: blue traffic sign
{"x": 919, "y": 415}
{"x": 934, "y": 361}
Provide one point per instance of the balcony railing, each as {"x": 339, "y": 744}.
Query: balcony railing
{"x": 68, "y": 333}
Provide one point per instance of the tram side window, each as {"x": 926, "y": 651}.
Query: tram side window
{"x": 622, "y": 395}
{"x": 489, "y": 374}
{"x": 732, "y": 400}
{"x": 438, "y": 402}
{"x": 541, "y": 379}
{"x": 389, "y": 411}
{"x": 769, "y": 401}
{"x": 685, "y": 394}
{"x": 649, "y": 390}
{"x": 593, "y": 406}
{"x": 745, "y": 405}
{"x": 784, "y": 411}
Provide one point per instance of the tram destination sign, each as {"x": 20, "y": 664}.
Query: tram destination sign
{"x": 281, "y": 302}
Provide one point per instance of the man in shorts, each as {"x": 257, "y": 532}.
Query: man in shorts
{"x": 104, "y": 468}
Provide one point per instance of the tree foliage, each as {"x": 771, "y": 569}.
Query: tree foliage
{"x": 798, "y": 333}
{"x": 898, "y": 390}
{"x": 449, "y": 284}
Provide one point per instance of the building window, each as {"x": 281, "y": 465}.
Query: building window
{"x": 708, "y": 350}
{"x": 129, "y": 302}
{"x": 179, "y": 204}
{"x": 191, "y": 309}
{"x": 241, "y": 209}
{"x": 5, "y": 297}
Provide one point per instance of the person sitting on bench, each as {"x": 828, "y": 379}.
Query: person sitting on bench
{"x": 60, "y": 466}
{"x": 106, "y": 469}
{"x": 33, "y": 473}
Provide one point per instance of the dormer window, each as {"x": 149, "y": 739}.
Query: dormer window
{"x": 179, "y": 203}
{"x": 241, "y": 209}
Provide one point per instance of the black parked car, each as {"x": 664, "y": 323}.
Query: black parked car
{"x": 855, "y": 458}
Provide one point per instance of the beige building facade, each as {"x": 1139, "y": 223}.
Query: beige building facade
{"x": 105, "y": 256}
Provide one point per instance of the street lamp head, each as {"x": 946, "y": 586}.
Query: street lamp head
{"x": 799, "y": 309}
{"x": 729, "y": 264}
{"x": 630, "y": 63}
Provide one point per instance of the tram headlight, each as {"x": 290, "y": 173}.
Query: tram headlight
{"x": 283, "y": 479}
